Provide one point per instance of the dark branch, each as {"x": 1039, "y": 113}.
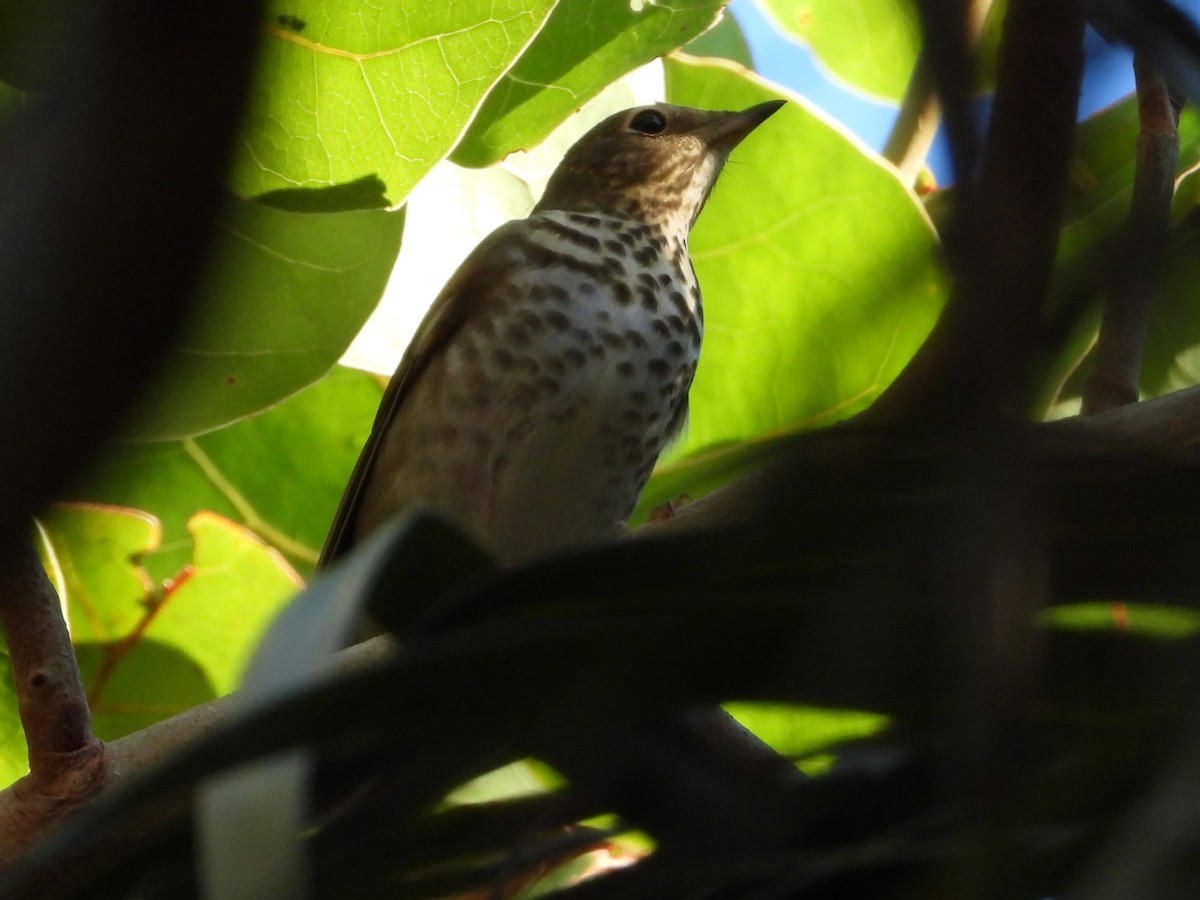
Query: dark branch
{"x": 1114, "y": 381}
{"x": 67, "y": 764}
{"x": 979, "y": 356}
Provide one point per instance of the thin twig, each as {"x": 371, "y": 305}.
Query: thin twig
{"x": 1126, "y": 319}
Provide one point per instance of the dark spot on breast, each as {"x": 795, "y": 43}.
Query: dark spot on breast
{"x": 537, "y": 293}
{"x": 596, "y": 351}
{"x": 614, "y": 265}
{"x": 659, "y": 327}
{"x": 675, "y": 323}
{"x": 680, "y": 303}
{"x": 627, "y": 238}
{"x": 558, "y": 294}
{"x": 635, "y": 339}
{"x": 645, "y": 256}
{"x": 603, "y": 315}
{"x": 631, "y": 417}
{"x": 639, "y": 397}
{"x": 633, "y": 458}
{"x": 675, "y": 348}
{"x": 612, "y": 340}
{"x": 615, "y": 247}
{"x": 548, "y": 386}
{"x": 648, "y": 298}
{"x": 622, "y": 292}
{"x": 575, "y": 357}
{"x": 570, "y": 235}
{"x": 665, "y": 279}
{"x": 502, "y": 358}
{"x": 531, "y": 322}
{"x": 583, "y": 219}
{"x": 625, "y": 369}
{"x": 556, "y": 367}
{"x": 660, "y": 368}
{"x": 558, "y": 321}
{"x": 516, "y": 335}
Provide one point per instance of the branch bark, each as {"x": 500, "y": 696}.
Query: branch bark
{"x": 978, "y": 358}
{"x": 68, "y": 766}
{"x": 1115, "y": 378}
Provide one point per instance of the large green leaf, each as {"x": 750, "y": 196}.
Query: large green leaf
{"x": 585, "y": 45}
{"x": 871, "y": 44}
{"x": 349, "y": 89}
{"x": 820, "y": 271}
{"x": 725, "y": 40}
{"x": 285, "y": 296}
{"x": 147, "y": 652}
{"x": 280, "y": 474}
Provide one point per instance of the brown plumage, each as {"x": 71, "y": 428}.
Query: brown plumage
{"x": 554, "y": 366}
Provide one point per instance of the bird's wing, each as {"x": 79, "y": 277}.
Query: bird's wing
{"x": 459, "y": 302}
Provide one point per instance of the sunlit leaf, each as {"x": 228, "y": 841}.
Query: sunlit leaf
{"x": 817, "y": 289}
{"x": 724, "y": 40}
{"x": 147, "y": 651}
{"x": 279, "y": 473}
{"x": 350, "y": 89}
{"x": 585, "y": 45}
{"x": 870, "y": 44}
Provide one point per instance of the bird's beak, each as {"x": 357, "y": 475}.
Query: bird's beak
{"x": 727, "y": 129}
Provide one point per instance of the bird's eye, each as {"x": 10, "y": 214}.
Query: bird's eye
{"x": 649, "y": 121}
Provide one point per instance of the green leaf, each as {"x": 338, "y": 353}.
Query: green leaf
{"x": 585, "y": 45}
{"x": 1150, "y": 620}
{"x": 870, "y": 44}
{"x": 817, "y": 290}
{"x": 285, "y": 296}
{"x": 349, "y": 89}
{"x": 725, "y": 40}
{"x": 280, "y": 474}
{"x": 146, "y": 654}
{"x": 797, "y": 731}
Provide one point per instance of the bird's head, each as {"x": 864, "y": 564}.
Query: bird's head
{"x": 653, "y": 163}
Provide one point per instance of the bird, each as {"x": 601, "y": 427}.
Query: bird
{"x": 554, "y": 366}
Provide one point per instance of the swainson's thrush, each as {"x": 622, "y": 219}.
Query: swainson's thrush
{"x": 554, "y": 366}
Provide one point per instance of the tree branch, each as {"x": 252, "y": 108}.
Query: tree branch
{"x": 67, "y": 764}
{"x": 978, "y": 358}
{"x": 1114, "y": 380}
